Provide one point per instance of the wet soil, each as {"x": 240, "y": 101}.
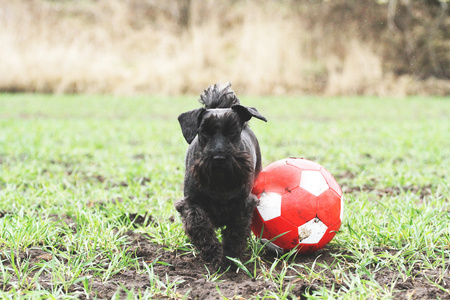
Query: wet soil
{"x": 422, "y": 191}
{"x": 194, "y": 280}
{"x": 197, "y": 281}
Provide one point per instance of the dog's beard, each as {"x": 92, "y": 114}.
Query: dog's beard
{"x": 224, "y": 179}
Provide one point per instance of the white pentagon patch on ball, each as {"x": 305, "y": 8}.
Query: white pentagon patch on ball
{"x": 313, "y": 182}
{"x": 269, "y": 206}
{"x": 312, "y": 231}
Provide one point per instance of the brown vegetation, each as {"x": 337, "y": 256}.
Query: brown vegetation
{"x": 263, "y": 47}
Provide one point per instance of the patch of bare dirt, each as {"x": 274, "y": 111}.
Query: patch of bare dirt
{"x": 192, "y": 274}
{"x": 194, "y": 279}
{"x": 422, "y": 191}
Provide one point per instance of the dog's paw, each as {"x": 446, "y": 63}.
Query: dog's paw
{"x": 180, "y": 205}
{"x": 252, "y": 201}
{"x": 215, "y": 265}
{"x": 213, "y": 254}
{"x": 228, "y": 265}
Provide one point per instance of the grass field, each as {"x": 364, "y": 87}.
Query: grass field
{"x": 87, "y": 185}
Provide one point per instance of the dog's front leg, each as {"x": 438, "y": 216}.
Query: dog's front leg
{"x": 237, "y": 232}
{"x": 235, "y": 240}
{"x": 235, "y": 236}
{"x": 201, "y": 232}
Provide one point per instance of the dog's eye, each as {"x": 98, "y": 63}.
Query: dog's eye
{"x": 207, "y": 131}
{"x": 232, "y": 133}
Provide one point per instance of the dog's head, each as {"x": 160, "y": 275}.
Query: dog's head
{"x": 224, "y": 163}
{"x": 216, "y": 122}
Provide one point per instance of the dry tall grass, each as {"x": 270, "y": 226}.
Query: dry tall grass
{"x": 137, "y": 46}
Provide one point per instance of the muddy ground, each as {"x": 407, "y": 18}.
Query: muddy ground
{"x": 192, "y": 274}
{"x": 194, "y": 279}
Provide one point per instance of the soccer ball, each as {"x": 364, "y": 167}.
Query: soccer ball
{"x": 301, "y": 206}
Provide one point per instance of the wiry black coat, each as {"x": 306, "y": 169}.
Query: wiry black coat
{"x": 222, "y": 162}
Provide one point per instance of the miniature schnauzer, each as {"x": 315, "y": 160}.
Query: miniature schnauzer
{"x": 222, "y": 163}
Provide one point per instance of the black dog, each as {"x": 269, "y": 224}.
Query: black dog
{"x": 222, "y": 162}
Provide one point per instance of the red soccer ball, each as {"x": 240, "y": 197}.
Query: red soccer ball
{"x": 299, "y": 200}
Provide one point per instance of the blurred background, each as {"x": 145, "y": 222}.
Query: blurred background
{"x": 285, "y": 47}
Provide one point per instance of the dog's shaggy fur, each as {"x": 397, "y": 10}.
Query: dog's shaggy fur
{"x": 222, "y": 162}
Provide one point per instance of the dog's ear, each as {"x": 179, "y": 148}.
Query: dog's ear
{"x": 246, "y": 113}
{"x": 189, "y": 122}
